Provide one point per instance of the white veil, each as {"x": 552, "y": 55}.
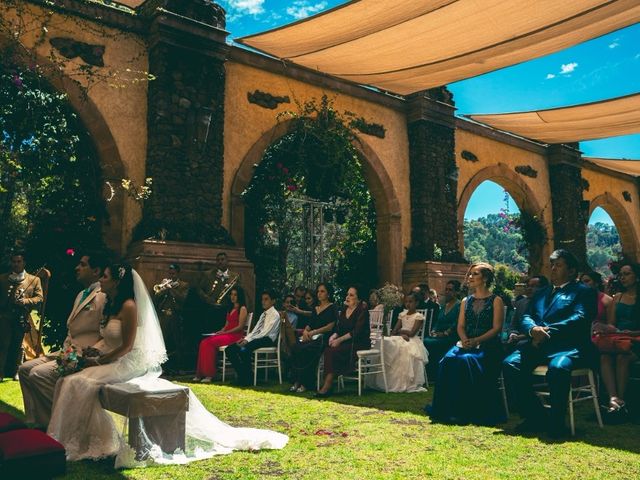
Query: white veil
{"x": 205, "y": 434}
{"x": 149, "y": 343}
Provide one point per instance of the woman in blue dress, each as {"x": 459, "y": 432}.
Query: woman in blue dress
{"x": 466, "y": 389}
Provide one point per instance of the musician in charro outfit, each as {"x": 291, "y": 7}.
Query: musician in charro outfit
{"x": 38, "y": 377}
{"x": 169, "y": 297}
{"x": 20, "y": 293}
{"x": 213, "y": 289}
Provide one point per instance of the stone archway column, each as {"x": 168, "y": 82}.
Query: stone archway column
{"x": 433, "y": 181}
{"x": 185, "y": 156}
{"x": 570, "y": 213}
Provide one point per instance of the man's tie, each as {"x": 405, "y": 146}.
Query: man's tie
{"x": 552, "y": 293}
{"x": 85, "y": 294}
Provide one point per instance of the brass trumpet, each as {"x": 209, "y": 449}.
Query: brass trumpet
{"x": 165, "y": 284}
{"x": 226, "y": 288}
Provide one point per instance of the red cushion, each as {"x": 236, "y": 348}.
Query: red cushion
{"x": 9, "y": 422}
{"x": 27, "y": 443}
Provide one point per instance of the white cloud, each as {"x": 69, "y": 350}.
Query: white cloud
{"x": 302, "y": 9}
{"x": 549, "y": 76}
{"x": 252, "y": 7}
{"x": 614, "y": 44}
{"x": 567, "y": 68}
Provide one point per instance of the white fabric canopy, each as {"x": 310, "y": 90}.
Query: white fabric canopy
{"x": 630, "y": 167}
{"x": 608, "y": 118}
{"x": 411, "y": 45}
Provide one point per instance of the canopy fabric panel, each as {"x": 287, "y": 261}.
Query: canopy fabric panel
{"x": 630, "y": 167}
{"x": 608, "y": 118}
{"x": 411, "y": 45}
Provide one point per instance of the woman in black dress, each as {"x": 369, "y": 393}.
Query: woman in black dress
{"x": 351, "y": 333}
{"x": 305, "y": 354}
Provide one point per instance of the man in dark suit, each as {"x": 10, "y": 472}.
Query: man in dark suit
{"x": 557, "y": 323}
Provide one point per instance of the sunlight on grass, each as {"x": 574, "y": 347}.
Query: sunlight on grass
{"x": 379, "y": 436}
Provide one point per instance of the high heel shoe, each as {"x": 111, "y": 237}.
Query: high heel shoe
{"x": 616, "y": 405}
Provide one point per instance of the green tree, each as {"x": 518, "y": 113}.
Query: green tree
{"x": 50, "y": 182}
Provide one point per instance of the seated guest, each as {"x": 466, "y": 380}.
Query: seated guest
{"x": 426, "y": 303}
{"x": 466, "y": 388}
{"x": 404, "y": 353}
{"x": 351, "y": 333}
{"x": 594, "y": 280}
{"x": 264, "y": 334}
{"x": 558, "y": 324}
{"x": 232, "y": 332}
{"x": 288, "y": 303}
{"x": 533, "y": 285}
{"x": 305, "y": 354}
{"x": 444, "y": 333}
{"x": 623, "y": 318}
{"x": 433, "y": 295}
{"x": 303, "y": 305}
{"x": 374, "y": 300}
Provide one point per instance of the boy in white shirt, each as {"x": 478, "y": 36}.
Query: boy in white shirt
{"x": 264, "y": 334}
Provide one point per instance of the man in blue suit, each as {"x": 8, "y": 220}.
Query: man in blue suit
{"x": 558, "y": 324}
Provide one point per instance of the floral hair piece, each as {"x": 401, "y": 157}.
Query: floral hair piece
{"x": 121, "y": 272}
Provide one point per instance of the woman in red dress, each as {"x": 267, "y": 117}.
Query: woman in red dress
{"x": 232, "y": 332}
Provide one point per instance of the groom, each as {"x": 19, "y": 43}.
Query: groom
{"x": 38, "y": 377}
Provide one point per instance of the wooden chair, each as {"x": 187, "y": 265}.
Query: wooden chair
{"x": 223, "y": 349}
{"x": 576, "y": 393}
{"x": 265, "y": 358}
{"x": 370, "y": 361}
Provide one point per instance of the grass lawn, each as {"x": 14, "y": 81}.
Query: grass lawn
{"x": 380, "y": 436}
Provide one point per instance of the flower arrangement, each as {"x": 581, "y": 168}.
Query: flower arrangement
{"x": 72, "y": 359}
{"x": 390, "y": 296}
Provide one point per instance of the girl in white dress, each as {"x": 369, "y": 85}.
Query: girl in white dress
{"x": 404, "y": 353}
{"x": 132, "y": 350}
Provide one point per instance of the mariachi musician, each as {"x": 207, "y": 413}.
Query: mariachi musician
{"x": 20, "y": 293}
{"x": 169, "y": 297}
{"x": 214, "y": 288}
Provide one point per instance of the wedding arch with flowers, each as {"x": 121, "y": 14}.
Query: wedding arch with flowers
{"x": 316, "y": 160}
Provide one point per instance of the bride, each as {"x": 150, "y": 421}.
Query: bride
{"x": 132, "y": 350}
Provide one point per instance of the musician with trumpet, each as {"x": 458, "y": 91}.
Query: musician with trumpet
{"x": 20, "y": 294}
{"x": 169, "y": 296}
{"x": 214, "y": 288}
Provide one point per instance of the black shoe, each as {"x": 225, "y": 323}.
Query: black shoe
{"x": 326, "y": 394}
{"x": 531, "y": 425}
{"x": 559, "y": 432}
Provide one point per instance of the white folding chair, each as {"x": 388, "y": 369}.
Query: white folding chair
{"x": 265, "y": 358}
{"x": 371, "y": 361}
{"x": 576, "y": 393}
{"x": 503, "y": 389}
{"x": 426, "y": 327}
{"x": 223, "y": 349}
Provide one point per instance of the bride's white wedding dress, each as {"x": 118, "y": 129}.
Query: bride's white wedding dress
{"x": 86, "y": 430}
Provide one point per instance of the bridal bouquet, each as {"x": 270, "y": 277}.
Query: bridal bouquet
{"x": 391, "y": 296}
{"x": 72, "y": 359}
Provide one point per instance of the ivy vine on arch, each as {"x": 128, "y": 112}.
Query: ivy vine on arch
{"x": 317, "y": 160}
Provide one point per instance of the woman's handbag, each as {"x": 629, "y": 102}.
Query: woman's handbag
{"x": 615, "y": 342}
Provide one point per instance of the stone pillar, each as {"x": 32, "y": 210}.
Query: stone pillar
{"x": 570, "y": 212}
{"x": 433, "y": 178}
{"x": 433, "y": 175}
{"x": 187, "y": 51}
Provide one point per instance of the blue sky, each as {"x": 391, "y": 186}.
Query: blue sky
{"x": 601, "y": 68}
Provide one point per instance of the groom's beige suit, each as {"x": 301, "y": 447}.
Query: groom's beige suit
{"x": 38, "y": 377}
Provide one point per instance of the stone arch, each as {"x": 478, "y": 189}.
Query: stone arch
{"x": 388, "y": 232}
{"x": 524, "y": 197}
{"x": 109, "y": 159}
{"x": 622, "y": 221}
